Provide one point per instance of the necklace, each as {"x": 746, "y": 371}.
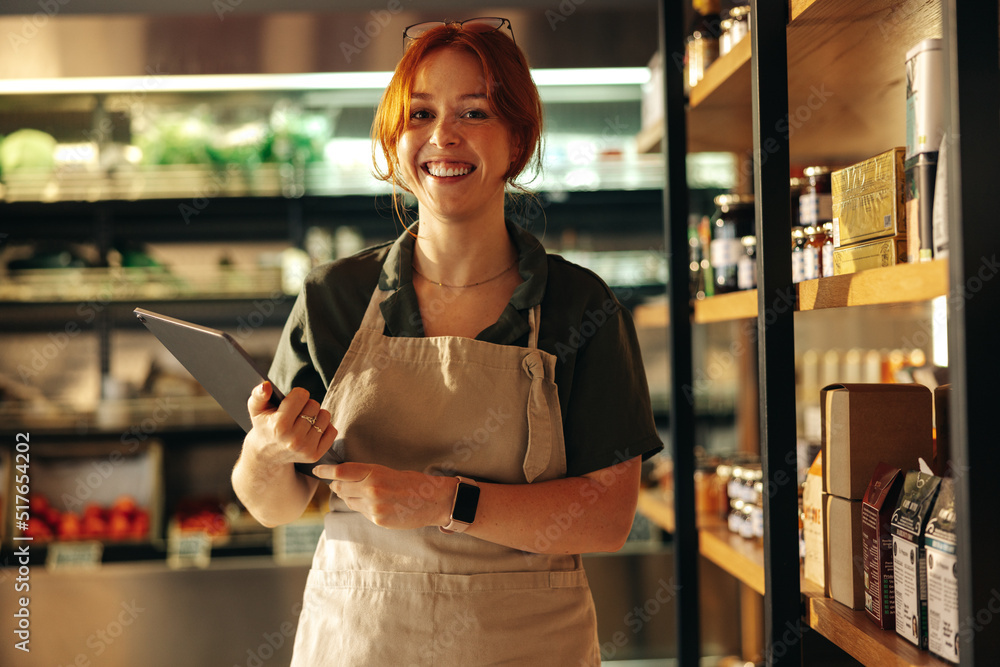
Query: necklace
{"x": 481, "y": 282}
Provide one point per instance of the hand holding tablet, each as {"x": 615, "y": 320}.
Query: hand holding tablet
{"x": 222, "y": 367}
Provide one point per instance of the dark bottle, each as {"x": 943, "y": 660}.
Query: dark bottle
{"x": 733, "y": 219}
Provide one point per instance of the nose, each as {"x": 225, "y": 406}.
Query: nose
{"x": 445, "y": 133}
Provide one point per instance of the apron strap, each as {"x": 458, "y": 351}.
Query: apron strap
{"x": 373, "y": 319}
{"x": 534, "y": 322}
{"x": 539, "y": 452}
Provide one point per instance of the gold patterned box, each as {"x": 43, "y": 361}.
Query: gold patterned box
{"x": 868, "y": 199}
{"x": 884, "y": 252}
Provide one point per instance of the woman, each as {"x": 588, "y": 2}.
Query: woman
{"x": 487, "y": 400}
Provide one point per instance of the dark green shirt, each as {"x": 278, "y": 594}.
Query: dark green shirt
{"x": 603, "y": 393}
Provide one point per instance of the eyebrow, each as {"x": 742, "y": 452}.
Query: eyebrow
{"x": 467, "y": 96}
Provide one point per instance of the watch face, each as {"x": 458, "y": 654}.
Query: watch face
{"x": 466, "y": 501}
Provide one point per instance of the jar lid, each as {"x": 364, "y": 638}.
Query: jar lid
{"x": 740, "y": 11}
{"x": 816, "y": 171}
{"x": 726, "y": 24}
{"x": 732, "y": 200}
{"x": 810, "y": 230}
{"x": 798, "y": 232}
{"x": 749, "y": 240}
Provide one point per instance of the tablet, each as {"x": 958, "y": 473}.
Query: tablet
{"x": 220, "y": 364}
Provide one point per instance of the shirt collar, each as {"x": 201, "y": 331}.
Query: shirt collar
{"x": 401, "y": 311}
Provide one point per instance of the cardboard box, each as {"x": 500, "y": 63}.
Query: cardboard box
{"x": 909, "y": 564}
{"x": 877, "y": 507}
{"x": 942, "y": 575}
{"x": 845, "y": 572}
{"x": 865, "y": 424}
{"x": 812, "y": 524}
{"x": 868, "y": 199}
{"x": 873, "y": 255}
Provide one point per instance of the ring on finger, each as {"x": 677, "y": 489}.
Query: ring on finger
{"x": 311, "y": 420}
{"x": 318, "y": 429}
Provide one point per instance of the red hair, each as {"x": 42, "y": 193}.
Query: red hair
{"x": 510, "y": 92}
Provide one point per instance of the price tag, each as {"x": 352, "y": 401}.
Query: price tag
{"x": 189, "y": 549}
{"x": 297, "y": 541}
{"x": 67, "y": 555}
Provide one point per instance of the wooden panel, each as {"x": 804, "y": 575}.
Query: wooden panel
{"x": 861, "y": 638}
{"x": 719, "y": 109}
{"x": 725, "y": 307}
{"x": 740, "y": 557}
{"x": 847, "y": 77}
{"x": 892, "y": 284}
{"x": 658, "y": 508}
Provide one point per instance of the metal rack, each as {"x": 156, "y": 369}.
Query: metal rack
{"x": 973, "y": 80}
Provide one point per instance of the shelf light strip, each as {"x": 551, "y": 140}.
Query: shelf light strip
{"x": 319, "y": 81}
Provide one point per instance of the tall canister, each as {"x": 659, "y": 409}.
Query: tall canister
{"x": 924, "y": 132}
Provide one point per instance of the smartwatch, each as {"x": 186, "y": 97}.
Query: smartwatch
{"x": 463, "y": 509}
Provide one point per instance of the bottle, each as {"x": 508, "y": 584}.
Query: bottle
{"x": 826, "y": 261}
{"x": 733, "y": 220}
{"x": 746, "y": 267}
{"x": 816, "y": 200}
{"x": 813, "y": 252}
{"x": 798, "y": 254}
{"x": 702, "y": 46}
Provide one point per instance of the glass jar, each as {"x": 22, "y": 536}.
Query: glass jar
{"x": 735, "y": 516}
{"x": 733, "y": 220}
{"x": 798, "y": 254}
{"x": 739, "y": 18}
{"x": 816, "y": 200}
{"x": 827, "y": 250}
{"x": 796, "y": 186}
{"x": 813, "y": 253}
{"x": 726, "y": 38}
{"x": 702, "y": 50}
{"x": 746, "y": 268}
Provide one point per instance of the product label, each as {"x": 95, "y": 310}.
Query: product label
{"x": 810, "y": 262}
{"x": 827, "y": 260}
{"x": 725, "y": 252}
{"x": 876, "y": 550}
{"x": 746, "y": 273}
{"x": 910, "y": 573}
{"x": 942, "y": 604}
{"x": 798, "y": 266}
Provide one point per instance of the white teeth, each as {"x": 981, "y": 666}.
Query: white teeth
{"x": 443, "y": 171}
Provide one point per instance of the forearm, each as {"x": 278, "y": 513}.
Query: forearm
{"x": 273, "y": 494}
{"x": 573, "y": 515}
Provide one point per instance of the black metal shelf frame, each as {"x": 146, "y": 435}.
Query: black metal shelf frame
{"x": 973, "y": 80}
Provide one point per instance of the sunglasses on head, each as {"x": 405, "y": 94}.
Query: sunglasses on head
{"x": 480, "y": 24}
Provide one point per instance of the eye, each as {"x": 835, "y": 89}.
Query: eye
{"x": 476, "y": 114}
{"x": 420, "y": 114}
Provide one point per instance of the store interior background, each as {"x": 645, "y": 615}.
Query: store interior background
{"x": 223, "y": 242}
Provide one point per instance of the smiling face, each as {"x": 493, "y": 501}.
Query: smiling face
{"x": 454, "y": 150}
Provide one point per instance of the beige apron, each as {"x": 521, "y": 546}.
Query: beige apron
{"x": 381, "y": 597}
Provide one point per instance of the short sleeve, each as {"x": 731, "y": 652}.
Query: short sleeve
{"x": 604, "y": 395}
{"x": 293, "y": 365}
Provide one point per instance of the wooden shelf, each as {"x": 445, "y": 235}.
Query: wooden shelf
{"x": 719, "y": 117}
{"x": 846, "y": 83}
{"x": 902, "y": 283}
{"x": 858, "y": 636}
{"x": 740, "y": 557}
{"x": 744, "y": 559}
{"x": 847, "y": 76}
{"x": 726, "y": 307}
{"x": 658, "y": 508}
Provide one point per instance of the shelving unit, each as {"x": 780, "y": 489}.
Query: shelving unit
{"x": 744, "y": 559}
{"x": 823, "y": 81}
